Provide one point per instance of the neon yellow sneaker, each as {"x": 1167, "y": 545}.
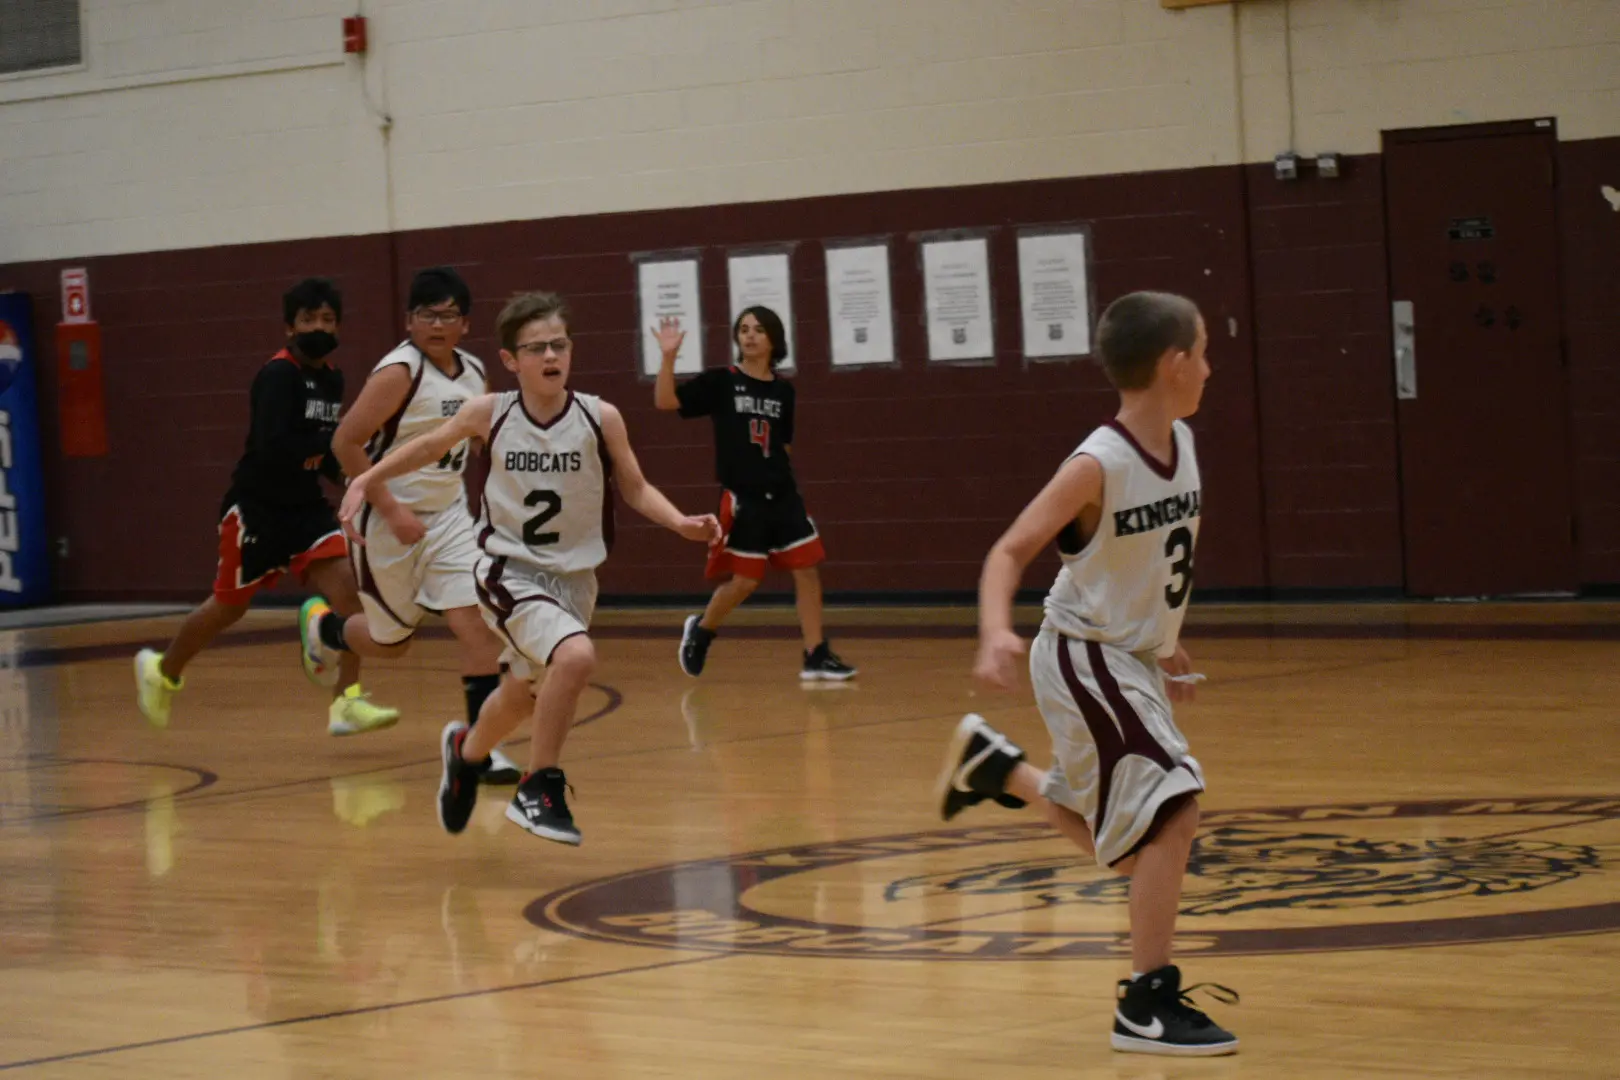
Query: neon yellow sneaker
{"x": 353, "y": 713}
{"x": 320, "y": 662}
{"x": 152, "y": 688}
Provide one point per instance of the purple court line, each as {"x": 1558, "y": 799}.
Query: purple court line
{"x": 46, "y": 656}
{"x": 101, "y": 1051}
{"x": 1587, "y": 819}
{"x": 208, "y": 778}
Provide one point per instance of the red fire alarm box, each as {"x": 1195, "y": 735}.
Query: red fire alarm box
{"x": 82, "y": 406}
{"x": 354, "y": 34}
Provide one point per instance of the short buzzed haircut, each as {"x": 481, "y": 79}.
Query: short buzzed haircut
{"x": 1139, "y": 328}
{"x": 525, "y": 308}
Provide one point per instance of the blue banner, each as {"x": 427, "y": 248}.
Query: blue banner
{"x": 24, "y": 560}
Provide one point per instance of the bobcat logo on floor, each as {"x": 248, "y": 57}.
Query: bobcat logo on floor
{"x": 1374, "y": 875}
{"x": 1236, "y": 869}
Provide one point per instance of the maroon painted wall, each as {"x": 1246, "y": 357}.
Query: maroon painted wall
{"x": 1591, "y": 282}
{"x": 1326, "y": 383}
{"x": 910, "y": 472}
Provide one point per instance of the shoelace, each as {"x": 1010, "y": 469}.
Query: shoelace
{"x": 546, "y": 800}
{"x": 1184, "y": 1003}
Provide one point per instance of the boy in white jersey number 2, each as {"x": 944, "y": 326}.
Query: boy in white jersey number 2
{"x": 1124, "y": 510}
{"x": 546, "y": 525}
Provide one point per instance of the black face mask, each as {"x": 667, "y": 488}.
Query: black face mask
{"x": 315, "y": 344}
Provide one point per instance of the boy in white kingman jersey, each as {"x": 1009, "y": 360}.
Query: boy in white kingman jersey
{"x": 546, "y": 525}
{"x": 1124, "y": 509}
{"x": 420, "y": 546}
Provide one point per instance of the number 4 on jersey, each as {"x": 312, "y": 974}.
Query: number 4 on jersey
{"x": 759, "y": 433}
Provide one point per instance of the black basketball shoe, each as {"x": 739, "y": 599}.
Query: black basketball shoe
{"x": 1155, "y": 1016}
{"x": 821, "y": 663}
{"x": 541, "y": 807}
{"x": 458, "y": 782}
{"x": 977, "y": 764}
{"x": 499, "y": 770}
{"x": 694, "y": 646}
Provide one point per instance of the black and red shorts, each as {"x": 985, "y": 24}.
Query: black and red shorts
{"x": 257, "y": 544}
{"x": 763, "y": 531}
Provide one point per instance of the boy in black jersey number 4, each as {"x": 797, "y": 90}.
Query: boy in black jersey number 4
{"x": 761, "y": 511}
{"x": 1124, "y": 509}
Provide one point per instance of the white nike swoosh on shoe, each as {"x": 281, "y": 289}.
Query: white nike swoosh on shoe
{"x": 1154, "y": 1030}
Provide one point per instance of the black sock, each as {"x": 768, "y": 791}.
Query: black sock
{"x": 330, "y": 631}
{"x": 477, "y": 688}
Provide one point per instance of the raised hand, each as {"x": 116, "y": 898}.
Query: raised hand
{"x": 669, "y": 335}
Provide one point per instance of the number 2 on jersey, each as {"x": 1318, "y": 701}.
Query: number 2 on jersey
{"x": 759, "y": 433}
{"x": 551, "y": 504}
{"x": 1178, "y": 547}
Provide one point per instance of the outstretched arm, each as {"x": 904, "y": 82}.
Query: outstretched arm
{"x": 640, "y": 494}
{"x": 669, "y": 336}
{"x": 1078, "y": 484}
{"x": 471, "y": 422}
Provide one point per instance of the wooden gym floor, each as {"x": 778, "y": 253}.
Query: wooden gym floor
{"x": 1409, "y": 866}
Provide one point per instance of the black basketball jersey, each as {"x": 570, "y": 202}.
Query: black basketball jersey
{"x": 294, "y": 411}
{"x": 753, "y": 424}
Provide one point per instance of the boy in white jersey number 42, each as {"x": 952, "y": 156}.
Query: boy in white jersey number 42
{"x": 420, "y": 544}
{"x": 546, "y": 525}
{"x": 1124, "y": 510}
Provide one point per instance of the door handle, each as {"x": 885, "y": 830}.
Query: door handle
{"x": 1405, "y": 350}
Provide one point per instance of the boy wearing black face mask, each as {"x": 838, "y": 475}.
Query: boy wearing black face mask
{"x": 275, "y": 517}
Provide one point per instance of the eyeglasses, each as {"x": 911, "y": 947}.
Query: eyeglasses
{"x": 560, "y": 346}
{"x": 436, "y": 318}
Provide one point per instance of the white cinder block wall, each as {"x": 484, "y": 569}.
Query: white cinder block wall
{"x": 202, "y": 122}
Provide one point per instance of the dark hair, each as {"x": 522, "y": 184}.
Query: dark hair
{"x": 437, "y": 284}
{"x": 769, "y": 322}
{"x": 525, "y": 308}
{"x": 310, "y": 295}
{"x": 1139, "y": 328}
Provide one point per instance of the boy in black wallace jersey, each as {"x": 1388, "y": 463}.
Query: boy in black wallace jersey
{"x": 761, "y": 512}
{"x": 275, "y": 518}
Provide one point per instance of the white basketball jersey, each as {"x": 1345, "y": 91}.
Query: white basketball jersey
{"x": 1129, "y": 584}
{"x": 434, "y": 398}
{"x": 548, "y": 502}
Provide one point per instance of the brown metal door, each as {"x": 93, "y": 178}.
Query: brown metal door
{"x": 1482, "y": 410}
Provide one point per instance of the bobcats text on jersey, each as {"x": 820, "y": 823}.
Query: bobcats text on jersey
{"x": 538, "y": 461}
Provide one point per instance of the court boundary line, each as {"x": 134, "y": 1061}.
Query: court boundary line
{"x": 340, "y": 1014}
{"x": 207, "y": 792}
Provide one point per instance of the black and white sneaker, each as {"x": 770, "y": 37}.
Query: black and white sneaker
{"x": 694, "y": 646}
{"x": 977, "y": 763}
{"x": 499, "y": 770}
{"x": 1155, "y": 1016}
{"x": 458, "y": 782}
{"x": 824, "y": 664}
{"x": 541, "y": 807}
